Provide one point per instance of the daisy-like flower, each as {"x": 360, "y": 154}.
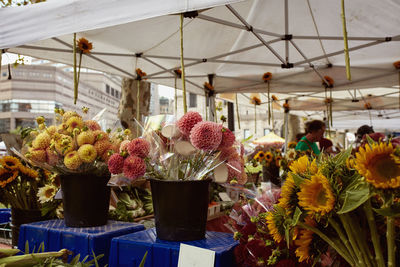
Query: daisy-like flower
{"x": 28, "y": 172}
{"x": 303, "y": 165}
{"x": 188, "y": 121}
{"x": 46, "y": 193}
{"x": 84, "y": 45}
{"x": 275, "y": 226}
{"x": 304, "y": 242}
{"x": 292, "y": 144}
{"x": 269, "y": 157}
{"x": 316, "y": 195}
{"x": 7, "y": 177}
{"x": 288, "y": 199}
{"x": 378, "y": 166}
{"x": 9, "y": 162}
{"x": 206, "y": 135}
{"x": 278, "y": 160}
{"x": 291, "y": 154}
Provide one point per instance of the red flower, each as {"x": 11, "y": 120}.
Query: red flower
{"x": 206, "y": 135}
{"x": 228, "y": 138}
{"x": 139, "y": 147}
{"x": 188, "y": 121}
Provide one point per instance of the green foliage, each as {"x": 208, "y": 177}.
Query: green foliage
{"x": 391, "y": 211}
{"x": 143, "y": 260}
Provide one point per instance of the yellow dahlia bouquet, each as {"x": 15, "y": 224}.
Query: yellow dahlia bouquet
{"x": 345, "y": 203}
{"x": 72, "y": 145}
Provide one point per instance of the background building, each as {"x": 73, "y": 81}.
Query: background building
{"x": 35, "y": 90}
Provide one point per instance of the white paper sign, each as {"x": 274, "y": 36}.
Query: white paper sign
{"x": 190, "y": 256}
{"x": 224, "y": 196}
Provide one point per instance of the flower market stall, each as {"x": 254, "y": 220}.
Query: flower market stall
{"x": 308, "y": 58}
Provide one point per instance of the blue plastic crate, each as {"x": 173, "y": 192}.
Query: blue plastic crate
{"x": 56, "y": 236}
{"x": 128, "y": 250}
{"x": 5, "y": 216}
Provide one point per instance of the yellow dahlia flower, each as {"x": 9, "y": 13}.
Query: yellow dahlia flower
{"x": 87, "y": 153}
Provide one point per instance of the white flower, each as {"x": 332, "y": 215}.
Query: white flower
{"x": 46, "y": 193}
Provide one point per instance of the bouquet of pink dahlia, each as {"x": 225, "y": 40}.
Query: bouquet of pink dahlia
{"x": 187, "y": 149}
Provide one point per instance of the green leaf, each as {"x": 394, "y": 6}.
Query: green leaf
{"x": 298, "y": 180}
{"x": 354, "y": 197}
{"x": 370, "y": 140}
{"x": 342, "y": 156}
{"x": 75, "y": 260}
{"x": 392, "y": 211}
{"x": 26, "y": 247}
{"x": 287, "y": 236}
{"x": 143, "y": 260}
{"x": 296, "y": 216}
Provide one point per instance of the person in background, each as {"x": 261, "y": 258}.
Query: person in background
{"x": 362, "y": 131}
{"x": 314, "y": 132}
{"x": 326, "y": 146}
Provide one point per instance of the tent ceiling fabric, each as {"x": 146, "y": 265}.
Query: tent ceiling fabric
{"x": 236, "y": 41}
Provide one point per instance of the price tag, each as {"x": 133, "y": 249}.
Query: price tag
{"x": 190, "y": 256}
{"x": 224, "y": 196}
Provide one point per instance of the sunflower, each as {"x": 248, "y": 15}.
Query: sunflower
{"x": 269, "y": 157}
{"x": 378, "y": 166}
{"x": 291, "y": 154}
{"x": 259, "y": 156}
{"x": 292, "y": 144}
{"x": 350, "y": 163}
{"x": 28, "y": 171}
{"x": 46, "y": 193}
{"x": 278, "y": 161}
{"x": 9, "y": 162}
{"x": 7, "y": 177}
{"x": 316, "y": 195}
{"x": 367, "y": 105}
{"x": 288, "y": 199}
{"x": 303, "y": 165}
{"x": 304, "y": 242}
{"x": 140, "y": 73}
{"x": 267, "y": 76}
{"x": 178, "y": 73}
{"x": 274, "y": 98}
{"x": 275, "y": 226}
{"x": 84, "y": 45}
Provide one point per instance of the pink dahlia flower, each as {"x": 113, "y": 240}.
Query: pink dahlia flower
{"x": 139, "y": 147}
{"x": 134, "y": 167}
{"x": 228, "y": 138}
{"x": 116, "y": 163}
{"x": 92, "y": 125}
{"x": 229, "y": 153}
{"x": 188, "y": 121}
{"x": 206, "y": 135}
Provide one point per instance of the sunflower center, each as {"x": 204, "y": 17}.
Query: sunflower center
{"x": 5, "y": 176}
{"x": 385, "y": 168}
{"x": 321, "y": 195}
{"x": 49, "y": 192}
{"x": 10, "y": 163}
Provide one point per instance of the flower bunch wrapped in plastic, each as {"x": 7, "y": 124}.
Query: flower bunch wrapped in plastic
{"x": 349, "y": 204}
{"x": 72, "y": 145}
{"x": 187, "y": 149}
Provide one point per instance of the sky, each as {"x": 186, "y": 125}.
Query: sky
{"x": 166, "y": 91}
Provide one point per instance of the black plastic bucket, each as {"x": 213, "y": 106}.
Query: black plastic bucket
{"x": 271, "y": 173}
{"x": 19, "y": 217}
{"x": 180, "y": 209}
{"x": 86, "y": 199}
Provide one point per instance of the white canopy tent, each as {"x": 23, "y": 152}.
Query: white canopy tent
{"x": 235, "y": 42}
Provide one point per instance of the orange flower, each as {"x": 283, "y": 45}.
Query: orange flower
{"x": 286, "y": 105}
{"x": 368, "y": 105}
{"x": 255, "y": 101}
{"x": 208, "y": 86}
{"x": 328, "y": 100}
{"x": 396, "y": 64}
{"x": 140, "y": 74}
{"x": 267, "y": 76}
{"x": 274, "y": 98}
{"x": 84, "y": 45}
{"x": 178, "y": 73}
{"x": 329, "y": 81}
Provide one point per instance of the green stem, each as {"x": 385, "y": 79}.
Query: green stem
{"x": 183, "y": 68}
{"x": 79, "y": 70}
{"x": 352, "y": 239}
{"x": 336, "y": 246}
{"x": 176, "y": 98}
{"x": 138, "y": 107}
{"x": 343, "y": 237}
{"x": 255, "y": 118}
{"x": 205, "y": 103}
{"x": 75, "y": 71}
{"x": 374, "y": 233}
{"x": 269, "y": 106}
{"x": 237, "y": 111}
{"x": 346, "y": 43}
{"x": 390, "y": 237}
